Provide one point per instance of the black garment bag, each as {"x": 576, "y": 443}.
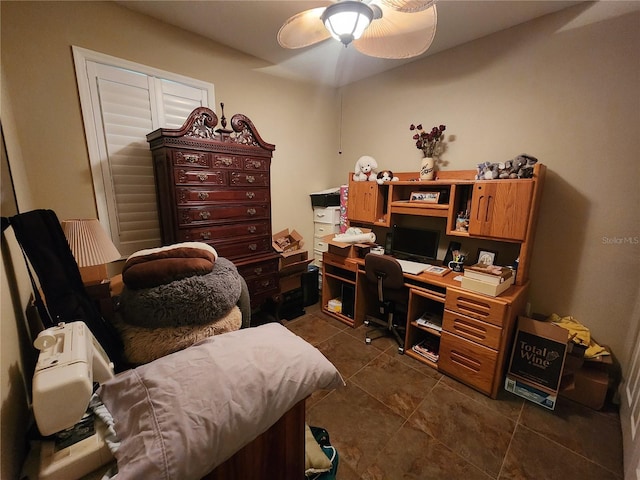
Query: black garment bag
{"x": 42, "y": 239}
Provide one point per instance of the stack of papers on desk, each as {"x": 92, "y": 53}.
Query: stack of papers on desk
{"x": 416, "y": 268}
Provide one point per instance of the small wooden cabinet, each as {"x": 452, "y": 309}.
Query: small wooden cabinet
{"x": 364, "y": 202}
{"x": 500, "y": 209}
{"x": 213, "y": 186}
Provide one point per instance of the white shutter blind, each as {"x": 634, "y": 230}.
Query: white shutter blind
{"x": 125, "y": 106}
{"x": 177, "y": 101}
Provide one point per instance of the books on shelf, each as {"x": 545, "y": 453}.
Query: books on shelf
{"x": 488, "y": 273}
{"x": 430, "y": 320}
{"x": 427, "y": 350}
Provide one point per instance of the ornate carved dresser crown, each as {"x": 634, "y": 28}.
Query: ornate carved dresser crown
{"x": 213, "y": 186}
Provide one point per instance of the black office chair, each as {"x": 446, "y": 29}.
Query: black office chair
{"x": 385, "y": 277}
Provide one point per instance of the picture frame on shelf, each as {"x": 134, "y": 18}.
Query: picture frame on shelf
{"x": 425, "y": 197}
{"x": 487, "y": 257}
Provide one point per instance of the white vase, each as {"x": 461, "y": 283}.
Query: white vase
{"x": 427, "y": 168}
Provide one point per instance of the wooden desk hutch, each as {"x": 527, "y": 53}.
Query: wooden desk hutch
{"x": 213, "y": 187}
{"x": 477, "y": 329}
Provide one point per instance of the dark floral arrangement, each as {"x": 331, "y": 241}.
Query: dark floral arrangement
{"x": 428, "y": 142}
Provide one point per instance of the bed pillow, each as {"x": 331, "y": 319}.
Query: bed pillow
{"x": 184, "y": 414}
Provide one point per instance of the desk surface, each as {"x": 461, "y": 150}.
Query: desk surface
{"x": 446, "y": 281}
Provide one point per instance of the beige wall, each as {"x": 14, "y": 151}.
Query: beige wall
{"x": 45, "y": 138}
{"x": 38, "y": 69}
{"x": 564, "y": 88}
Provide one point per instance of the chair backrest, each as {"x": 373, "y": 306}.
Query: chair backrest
{"x": 384, "y": 267}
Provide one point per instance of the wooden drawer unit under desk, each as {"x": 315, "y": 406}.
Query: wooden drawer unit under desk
{"x": 469, "y": 362}
{"x": 471, "y": 329}
{"x": 477, "y": 306}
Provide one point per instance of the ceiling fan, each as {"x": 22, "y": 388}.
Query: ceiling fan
{"x": 378, "y": 28}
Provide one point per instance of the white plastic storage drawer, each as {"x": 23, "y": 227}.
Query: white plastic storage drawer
{"x": 322, "y": 229}
{"x": 327, "y": 215}
{"x": 319, "y": 245}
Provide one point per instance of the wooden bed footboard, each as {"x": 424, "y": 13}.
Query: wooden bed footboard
{"x": 277, "y": 454}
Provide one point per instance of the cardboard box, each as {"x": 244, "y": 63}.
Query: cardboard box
{"x": 544, "y": 399}
{"x": 537, "y": 361}
{"x": 286, "y": 241}
{"x": 484, "y": 287}
{"x": 292, "y": 257}
{"x": 290, "y": 282}
{"x": 297, "y": 268}
{"x": 348, "y": 250}
{"x": 590, "y": 383}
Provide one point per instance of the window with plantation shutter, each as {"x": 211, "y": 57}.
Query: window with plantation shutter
{"x": 121, "y": 103}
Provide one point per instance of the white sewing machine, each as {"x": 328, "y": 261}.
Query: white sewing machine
{"x": 70, "y": 361}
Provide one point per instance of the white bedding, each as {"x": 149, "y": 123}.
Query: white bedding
{"x": 182, "y": 415}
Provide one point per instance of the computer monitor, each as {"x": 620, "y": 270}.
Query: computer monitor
{"x": 415, "y": 244}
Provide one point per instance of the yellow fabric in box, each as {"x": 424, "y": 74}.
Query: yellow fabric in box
{"x": 580, "y": 334}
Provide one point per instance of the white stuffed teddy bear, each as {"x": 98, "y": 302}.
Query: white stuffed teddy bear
{"x": 365, "y": 169}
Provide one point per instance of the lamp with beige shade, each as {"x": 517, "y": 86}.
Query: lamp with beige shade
{"x": 93, "y": 249}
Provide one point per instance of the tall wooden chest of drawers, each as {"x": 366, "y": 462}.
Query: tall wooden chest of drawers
{"x": 213, "y": 186}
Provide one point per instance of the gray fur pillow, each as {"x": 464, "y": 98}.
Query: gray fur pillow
{"x": 195, "y": 300}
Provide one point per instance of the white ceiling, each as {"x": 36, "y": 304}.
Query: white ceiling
{"x": 251, "y": 26}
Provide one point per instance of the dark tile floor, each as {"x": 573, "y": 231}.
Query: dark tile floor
{"x": 399, "y": 419}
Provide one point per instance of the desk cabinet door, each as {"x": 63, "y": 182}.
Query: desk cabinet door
{"x": 500, "y": 209}
{"x": 363, "y": 198}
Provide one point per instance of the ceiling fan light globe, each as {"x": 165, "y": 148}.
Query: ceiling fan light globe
{"x": 347, "y": 20}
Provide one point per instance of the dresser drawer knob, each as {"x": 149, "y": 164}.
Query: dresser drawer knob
{"x": 203, "y": 195}
{"x": 253, "y": 247}
{"x": 202, "y": 177}
{"x": 226, "y": 161}
{"x": 251, "y": 178}
{"x": 205, "y": 235}
{"x": 251, "y": 194}
{"x": 205, "y": 215}
{"x": 252, "y": 228}
{"x": 265, "y": 283}
{"x": 257, "y": 270}
{"x": 191, "y": 158}
{"x": 251, "y": 211}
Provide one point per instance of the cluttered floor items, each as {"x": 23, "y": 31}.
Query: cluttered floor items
{"x": 556, "y": 356}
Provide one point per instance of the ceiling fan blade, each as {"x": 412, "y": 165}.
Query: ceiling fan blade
{"x": 303, "y": 29}
{"x": 399, "y": 35}
{"x": 408, "y": 6}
